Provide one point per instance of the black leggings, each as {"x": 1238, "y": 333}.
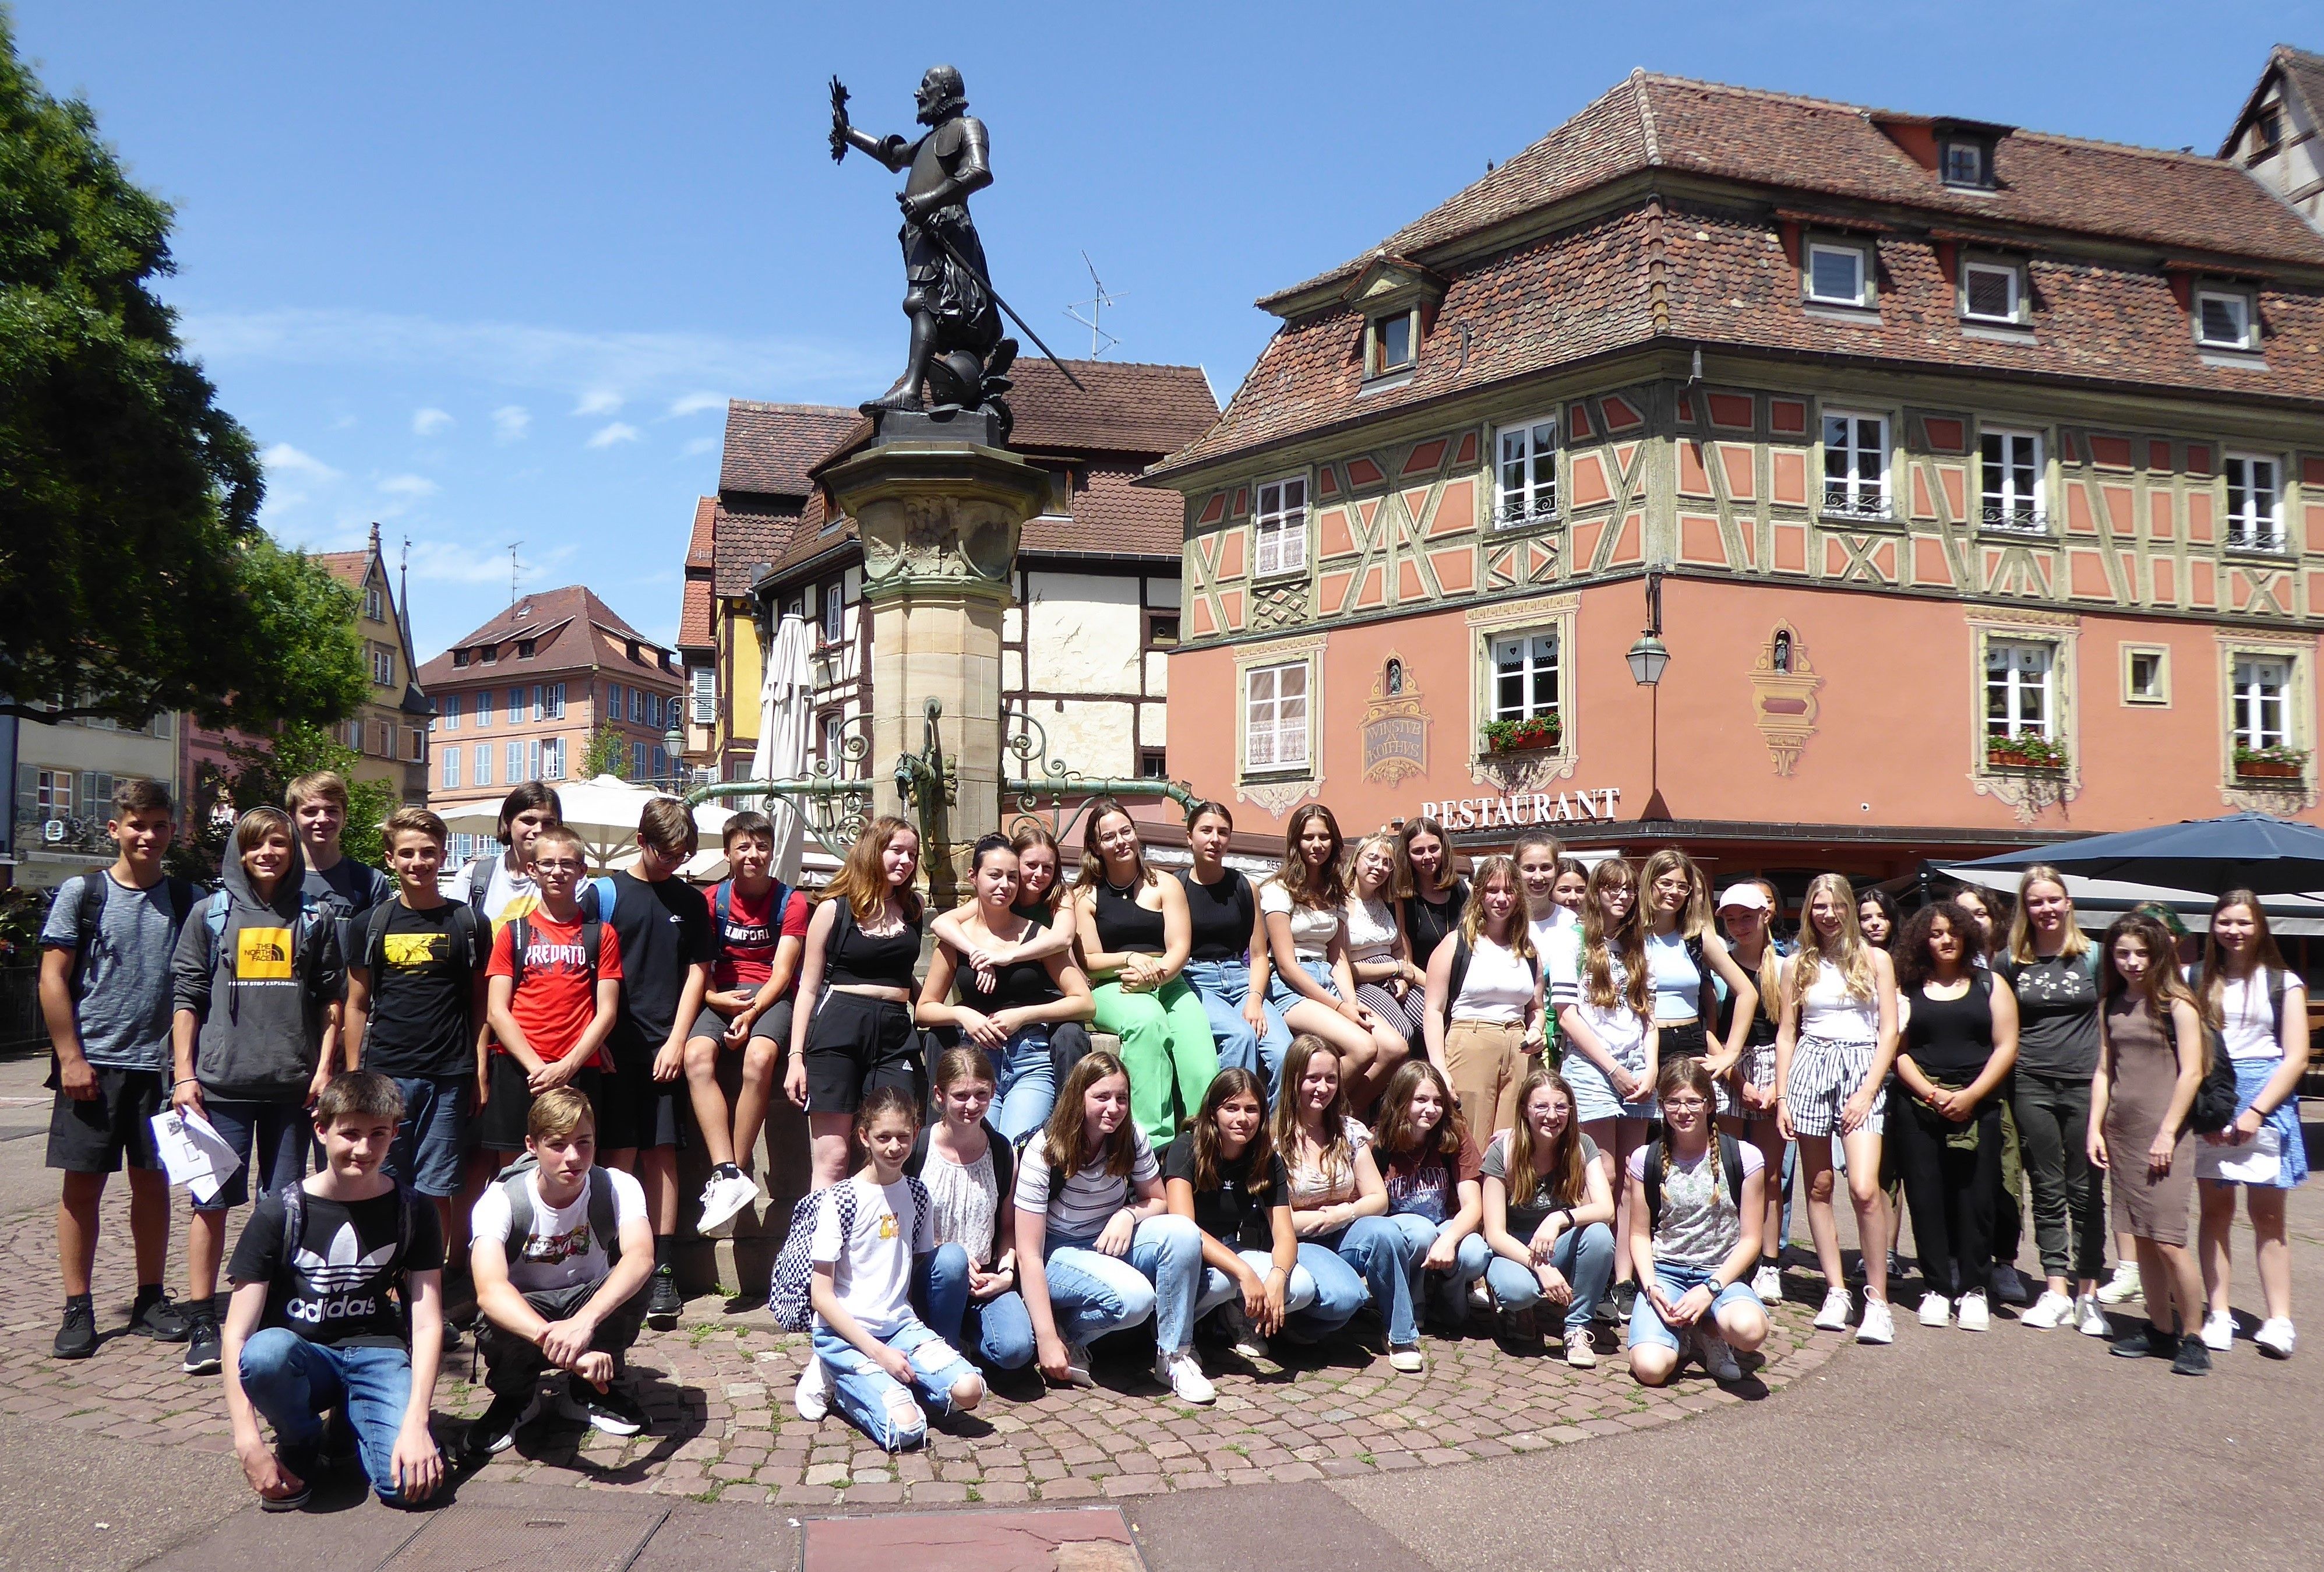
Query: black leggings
{"x": 1951, "y": 1193}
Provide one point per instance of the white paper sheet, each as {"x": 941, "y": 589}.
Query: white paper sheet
{"x": 196, "y": 1156}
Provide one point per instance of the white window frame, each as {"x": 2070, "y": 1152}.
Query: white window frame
{"x": 2247, "y": 319}
{"x": 2011, "y": 275}
{"x": 382, "y": 667}
{"x": 1977, "y": 156}
{"x": 1528, "y": 671}
{"x": 637, "y": 705}
{"x": 1276, "y": 735}
{"x": 835, "y": 613}
{"x": 2016, "y": 683}
{"x": 419, "y": 755}
{"x": 830, "y": 739}
{"x": 2257, "y": 717}
{"x": 1861, "y": 496}
{"x": 705, "y": 695}
{"x": 2249, "y": 526}
{"x": 1856, "y": 254}
{"x": 552, "y": 759}
{"x": 1278, "y": 531}
{"x": 451, "y": 782}
{"x": 2018, "y": 514}
{"x": 2159, "y": 698}
{"x": 1535, "y": 497}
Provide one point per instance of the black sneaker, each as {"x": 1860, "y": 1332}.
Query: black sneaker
{"x": 159, "y": 1319}
{"x": 338, "y": 1448}
{"x": 496, "y": 1429}
{"x": 77, "y": 1338}
{"x": 2145, "y": 1341}
{"x": 204, "y": 1351}
{"x": 1625, "y": 1299}
{"x": 664, "y": 1303}
{"x": 2192, "y": 1358}
{"x": 612, "y": 1410}
{"x": 304, "y": 1462}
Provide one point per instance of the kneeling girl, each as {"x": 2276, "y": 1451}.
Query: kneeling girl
{"x": 1694, "y": 1237}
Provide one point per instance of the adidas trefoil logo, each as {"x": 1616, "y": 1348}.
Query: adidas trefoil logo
{"x": 346, "y": 1266}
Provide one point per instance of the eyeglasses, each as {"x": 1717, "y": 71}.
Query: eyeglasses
{"x": 1684, "y": 1104}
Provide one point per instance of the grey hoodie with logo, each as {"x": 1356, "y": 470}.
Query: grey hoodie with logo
{"x": 259, "y": 985}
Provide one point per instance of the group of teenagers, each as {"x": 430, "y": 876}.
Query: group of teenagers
{"x": 1547, "y": 1091}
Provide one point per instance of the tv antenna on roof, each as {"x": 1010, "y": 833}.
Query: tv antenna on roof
{"x": 513, "y": 545}
{"x": 1100, "y": 339}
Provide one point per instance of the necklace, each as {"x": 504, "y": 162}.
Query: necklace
{"x": 1123, "y": 892}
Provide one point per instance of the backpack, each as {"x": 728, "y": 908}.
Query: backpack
{"x": 94, "y": 886}
{"x": 790, "y": 1298}
{"x": 2214, "y": 1107}
{"x": 463, "y": 936}
{"x": 592, "y": 943}
{"x": 314, "y": 911}
{"x": 722, "y": 905}
{"x": 596, "y": 894}
{"x": 1004, "y": 1166}
{"x": 407, "y": 1203}
{"x": 604, "y": 1222}
{"x": 1731, "y": 1164}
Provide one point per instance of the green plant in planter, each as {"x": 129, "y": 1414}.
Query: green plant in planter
{"x": 1508, "y": 736}
{"x": 2027, "y": 752}
{"x": 2276, "y": 761}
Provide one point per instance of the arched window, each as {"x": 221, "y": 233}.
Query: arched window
{"x": 1393, "y": 683}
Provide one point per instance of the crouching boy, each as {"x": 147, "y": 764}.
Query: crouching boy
{"x": 561, "y": 1256}
{"x": 323, "y": 1277}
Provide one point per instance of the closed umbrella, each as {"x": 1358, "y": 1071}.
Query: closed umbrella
{"x": 2249, "y": 851}
{"x": 786, "y": 698}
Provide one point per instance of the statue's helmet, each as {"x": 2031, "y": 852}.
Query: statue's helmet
{"x": 941, "y": 92}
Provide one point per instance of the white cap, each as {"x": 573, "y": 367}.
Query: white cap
{"x": 1748, "y": 896}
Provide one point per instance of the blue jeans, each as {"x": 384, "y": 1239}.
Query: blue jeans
{"x": 1647, "y": 1323}
{"x": 998, "y": 1331}
{"x": 1323, "y": 1292}
{"x": 271, "y": 1140}
{"x": 294, "y": 1382}
{"x": 431, "y": 1142}
{"x": 1223, "y": 988}
{"x": 1450, "y": 1289}
{"x": 1583, "y": 1256}
{"x": 875, "y": 1401}
{"x": 1024, "y": 1083}
{"x": 1381, "y": 1254}
{"x": 1091, "y": 1293}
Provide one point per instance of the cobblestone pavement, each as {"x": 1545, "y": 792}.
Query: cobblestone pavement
{"x": 718, "y": 1389}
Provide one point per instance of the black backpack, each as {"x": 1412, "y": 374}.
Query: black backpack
{"x": 94, "y": 886}
{"x": 2214, "y": 1108}
{"x": 1731, "y": 1163}
{"x": 466, "y": 923}
{"x": 592, "y": 943}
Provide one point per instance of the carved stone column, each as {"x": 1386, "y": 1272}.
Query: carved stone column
{"x": 939, "y": 505}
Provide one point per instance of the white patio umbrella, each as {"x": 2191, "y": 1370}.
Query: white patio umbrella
{"x": 786, "y": 698}
{"x": 603, "y": 812}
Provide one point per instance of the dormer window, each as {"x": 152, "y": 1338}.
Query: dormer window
{"x": 2223, "y": 319}
{"x": 1965, "y": 164}
{"x": 1837, "y": 274}
{"x": 1990, "y": 292}
{"x": 459, "y": 657}
{"x": 488, "y": 653}
{"x": 1393, "y": 339}
{"x": 525, "y": 649}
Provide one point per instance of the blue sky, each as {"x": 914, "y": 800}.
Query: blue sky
{"x": 487, "y": 274}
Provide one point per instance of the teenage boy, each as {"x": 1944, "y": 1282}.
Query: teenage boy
{"x": 105, "y": 996}
{"x": 318, "y": 807}
{"x": 325, "y": 1277}
{"x": 667, "y": 948}
{"x": 552, "y": 990}
{"x": 415, "y": 1001}
{"x": 561, "y": 1255}
{"x": 256, "y": 982}
{"x": 760, "y": 927}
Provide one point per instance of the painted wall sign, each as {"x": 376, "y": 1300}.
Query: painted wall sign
{"x": 1395, "y": 727}
{"x": 1519, "y": 809}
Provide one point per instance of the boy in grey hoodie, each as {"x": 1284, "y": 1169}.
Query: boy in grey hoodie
{"x": 256, "y": 982}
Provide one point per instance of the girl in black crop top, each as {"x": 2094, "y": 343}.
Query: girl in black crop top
{"x": 1009, "y": 1008}
{"x": 1227, "y": 963}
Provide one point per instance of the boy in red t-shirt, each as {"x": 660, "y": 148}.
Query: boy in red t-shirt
{"x": 761, "y": 927}
{"x": 550, "y": 1015}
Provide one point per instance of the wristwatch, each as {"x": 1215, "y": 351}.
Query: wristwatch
{"x": 1715, "y": 1286}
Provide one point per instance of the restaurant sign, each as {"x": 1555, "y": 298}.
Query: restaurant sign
{"x": 1518, "y": 810}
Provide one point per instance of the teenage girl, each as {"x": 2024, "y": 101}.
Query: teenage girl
{"x": 2151, "y": 1052}
{"x": 1226, "y": 964}
{"x": 2009, "y": 1212}
{"x": 1597, "y": 986}
{"x": 1877, "y": 918}
{"x": 2262, "y": 1009}
{"x": 1747, "y": 911}
{"x": 1834, "y": 1052}
{"x": 1549, "y": 1213}
{"x": 1485, "y": 999}
{"x": 1136, "y": 936}
{"x": 1007, "y": 1010}
{"x": 1097, "y": 1250}
{"x": 1223, "y": 1176}
{"x": 967, "y": 1291}
{"x": 1430, "y": 896}
{"x": 1386, "y": 980}
{"x": 1571, "y": 887}
{"x": 853, "y": 1030}
{"x": 1304, "y": 906}
{"x": 1537, "y": 855}
{"x": 1682, "y": 955}
{"x": 1432, "y": 1168}
{"x": 1959, "y": 1041}
{"x": 881, "y": 1360}
{"x": 1338, "y": 1199}
{"x": 1691, "y": 1252}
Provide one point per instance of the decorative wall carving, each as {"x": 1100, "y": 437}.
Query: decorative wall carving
{"x": 1784, "y": 684}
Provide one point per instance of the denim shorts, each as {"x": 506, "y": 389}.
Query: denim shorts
{"x": 1283, "y": 995}
{"x": 1647, "y": 1323}
{"x": 432, "y": 1139}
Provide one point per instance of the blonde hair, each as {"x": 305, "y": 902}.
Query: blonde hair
{"x": 1598, "y": 945}
{"x": 1850, "y": 953}
{"x": 321, "y": 786}
{"x": 1694, "y": 917}
{"x": 1386, "y": 841}
{"x": 1472, "y": 916}
{"x": 2021, "y": 928}
{"x": 1561, "y": 1167}
{"x": 1338, "y": 1158}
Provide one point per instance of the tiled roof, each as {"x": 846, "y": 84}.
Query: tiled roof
{"x": 1128, "y": 407}
{"x": 694, "y": 623}
{"x": 746, "y": 539}
{"x": 571, "y": 627}
{"x": 1780, "y": 140}
{"x": 350, "y": 567}
{"x": 1113, "y": 517}
{"x": 698, "y": 544}
{"x": 770, "y": 447}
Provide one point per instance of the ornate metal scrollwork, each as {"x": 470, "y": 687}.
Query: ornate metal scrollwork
{"x": 1042, "y": 777}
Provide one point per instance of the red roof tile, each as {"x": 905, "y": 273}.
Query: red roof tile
{"x": 1113, "y": 517}
{"x": 698, "y": 544}
{"x": 570, "y": 627}
{"x": 696, "y": 625}
{"x": 352, "y": 568}
{"x": 770, "y": 447}
{"x": 747, "y": 539}
{"x": 1128, "y": 407}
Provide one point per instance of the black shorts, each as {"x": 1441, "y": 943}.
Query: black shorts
{"x": 635, "y": 1110}
{"x": 499, "y": 1125}
{"x": 856, "y": 1043}
{"x": 93, "y": 1137}
{"x": 1685, "y": 1040}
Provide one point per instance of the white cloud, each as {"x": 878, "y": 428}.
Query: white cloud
{"x": 698, "y": 447}
{"x": 509, "y": 422}
{"x": 428, "y": 422}
{"x": 598, "y": 401}
{"x": 408, "y": 485}
{"x": 693, "y": 403}
{"x": 449, "y": 562}
{"x": 286, "y": 459}
{"x": 619, "y": 431}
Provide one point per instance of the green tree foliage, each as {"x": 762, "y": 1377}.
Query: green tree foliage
{"x": 608, "y": 753}
{"x": 263, "y": 772}
{"x": 133, "y": 575}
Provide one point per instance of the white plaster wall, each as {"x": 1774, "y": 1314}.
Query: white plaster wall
{"x": 1162, "y": 592}
{"x": 1083, "y": 634}
{"x": 1158, "y": 667}
{"x": 1091, "y": 735}
{"x": 1153, "y": 724}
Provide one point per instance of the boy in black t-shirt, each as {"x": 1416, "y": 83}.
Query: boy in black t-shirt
{"x": 667, "y": 946}
{"x": 415, "y": 1003}
{"x": 316, "y": 1325}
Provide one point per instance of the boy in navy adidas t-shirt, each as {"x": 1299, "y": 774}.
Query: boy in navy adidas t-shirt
{"x": 322, "y": 1278}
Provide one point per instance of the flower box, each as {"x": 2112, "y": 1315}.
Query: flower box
{"x": 2024, "y": 754}
{"x": 2268, "y": 769}
{"x": 1523, "y": 736}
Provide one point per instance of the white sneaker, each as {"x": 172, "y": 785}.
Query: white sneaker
{"x": 2276, "y": 1337}
{"x": 1581, "y": 1355}
{"x": 1480, "y": 1298}
{"x": 722, "y": 1200}
{"x": 812, "y": 1396}
{"x": 2047, "y": 1311}
{"x": 1407, "y": 1359}
{"x": 1769, "y": 1283}
{"x": 1972, "y": 1315}
{"x": 2220, "y": 1331}
{"x": 1182, "y": 1372}
{"x": 1834, "y": 1314}
{"x": 1717, "y": 1358}
{"x": 1877, "y": 1324}
{"x": 1936, "y": 1309}
{"x": 2090, "y": 1320}
{"x": 2122, "y": 1286}
{"x": 1077, "y": 1365}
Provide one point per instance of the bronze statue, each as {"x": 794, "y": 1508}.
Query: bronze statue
{"x": 957, "y": 349}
